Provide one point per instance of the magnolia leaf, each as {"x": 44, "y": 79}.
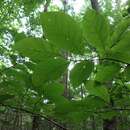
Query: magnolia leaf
{"x": 96, "y": 30}
{"x": 107, "y": 72}
{"x": 53, "y": 91}
{"x": 98, "y": 91}
{"x": 120, "y": 29}
{"x": 63, "y": 31}
{"x": 124, "y": 44}
{"x": 122, "y": 57}
{"x": 81, "y": 72}
{"x": 34, "y": 48}
{"x": 49, "y": 70}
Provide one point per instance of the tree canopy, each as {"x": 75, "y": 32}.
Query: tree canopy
{"x": 65, "y": 66}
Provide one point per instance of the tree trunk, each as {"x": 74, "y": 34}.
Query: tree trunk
{"x": 46, "y": 5}
{"x": 110, "y": 124}
{"x": 107, "y": 124}
{"x": 35, "y": 122}
{"x": 65, "y": 54}
{"x": 95, "y": 5}
{"x": 93, "y": 123}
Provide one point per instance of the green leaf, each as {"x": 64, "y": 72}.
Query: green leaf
{"x": 35, "y": 49}
{"x": 63, "y": 105}
{"x": 19, "y": 36}
{"x": 53, "y": 91}
{"x": 98, "y": 90}
{"x": 77, "y": 116}
{"x": 127, "y": 73}
{"x": 96, "y": 30}
{"x": 109, "y": 115}
{"x": 63, "y": 31}
{"x": 122, "y": 57}
{"x": 16, "y": 80}
{"x": 81, "y": 72}
{"x": 93, "y": 103}
{"x": 15, "y": 74}
{"x": 4, "y": 97}
{"x": 128, "y": 86}
{"x": 107, "y": 72}
{"x": 123, "y": 101}
{"x": 120, "y": 29}
{"x": 120, "y": 51}
{"x": 89, "y": 104}
{"x": 49, "y": 70}
{"x": 124, "y": 44}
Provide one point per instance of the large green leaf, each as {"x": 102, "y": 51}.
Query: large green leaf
{"x": 53, "y": 91}
{"x": 19, "y": 36}
{"x": 122, "y": 57}
{"x": 93, "y": 103}
{"x": 98, "y": 90}
{"x": 119, "y": 30}
{"x": 15, "y": 74}
{"x": 120, "y": 51}
{"x": 96, "y": 30}
{"x": 36, "y": 49}
{"x": 81, "y": 72}
{"x": 107, "y": 72}
{"x": 63, "y": 31}
{"x": 124, "y": 44}
{"x": 48, "y": 70}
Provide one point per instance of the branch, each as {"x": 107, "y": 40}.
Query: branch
{"x": 113, "y": 108}
{"x": 7, "y": 68}
{"x": 32, "y": 113}
{"x": 121, "y": 109}
{"x": 115, "y": 60}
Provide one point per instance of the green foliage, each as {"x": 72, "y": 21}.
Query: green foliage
{"x": 127, "y": 73}
{"x": 122, "y": 57}
{"x": 120, "y": 29}
{"x": 80, "y": 73}
{"x": 63, "y": 34}
{"x": 4, "y": 97}
{"x": 120, "y": 42}
{"x": 19, "y": 36}
{"x": 98, "y": 90}
{"x": 123, "y": 44}
{"x": 45, "y": 81}
{"x": 63, "y": 31}
{"x": 29, "y": 7}
{"x": 48, "y": 70}
{"x": 35, "y": 49}
{"x": 109, "y": 115}
{"x": 54, "y": 92}
{"x": 96, "y": 30}
{"x": 107, "y": 72}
